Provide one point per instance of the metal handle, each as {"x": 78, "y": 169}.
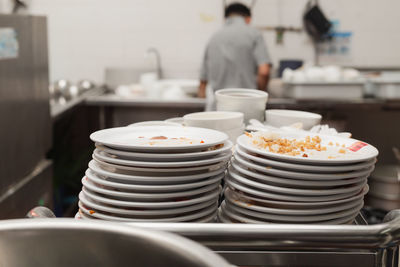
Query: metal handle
{"x": 277, "y": 235}
{"x": 299, "y": 236}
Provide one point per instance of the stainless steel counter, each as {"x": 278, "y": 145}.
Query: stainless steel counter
{"x": 117, "y": 101}
{"x": 118, "y": 111}
{"x": 326, "y": 104}
{"x": 57, "y": 110}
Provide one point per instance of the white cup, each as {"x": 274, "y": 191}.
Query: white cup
{"x": 250, "y": 102}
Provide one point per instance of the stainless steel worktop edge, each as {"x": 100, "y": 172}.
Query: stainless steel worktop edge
{"x": 113, "y": 100}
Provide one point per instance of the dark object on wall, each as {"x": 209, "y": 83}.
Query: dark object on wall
{"x": 289, "y": 63}
{"x": 18, "y": 5}
{"x": 315, "y": 22}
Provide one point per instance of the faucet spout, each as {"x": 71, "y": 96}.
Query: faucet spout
{"x": 153, "y": 50}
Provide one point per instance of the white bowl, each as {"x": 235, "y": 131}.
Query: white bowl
{"x": 250, "y": 102}
{"x": 154, "y": 123}
{"x": 178, "y": 120}
{"x": 217, "y": 120}
{"x": 283, "y": 117}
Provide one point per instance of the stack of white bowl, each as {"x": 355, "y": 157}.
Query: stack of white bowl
{"x": 155, "y": 174}
{"x": 267, "y": 187}
{"x": 231, "y": 123}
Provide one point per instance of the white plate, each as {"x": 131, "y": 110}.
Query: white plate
{"x": 293, "y": 182}
{"x": 242, "y": 218}
{"x": 99, "y": 155}
{"x": 190, "y": 217}
{"x": 165, "y": 180}
{"x": 296, "y": 191}
{"x": 271, "y": 196}
{"x": 231, "y": 199}
{"x": 222, "y": 218}
{"x": 139, "y": 138}
{"x": 84, "y": 216}
{"x": 127, "y": 196}
{"x": 295, "y": 219}
{"x": 302, "y": 175}
{"x": 166, "y": 156}
{"x": 153, "y": 188}
{"x": 132, "y": 212}
{"x": 157, "y": 171}
{"x": 208, "y": 219}
{"x": 153, "y": 205}
{"x": 298, "y": 205}
{"x": 302, "y": 167}
{"x": 365, "y": 153}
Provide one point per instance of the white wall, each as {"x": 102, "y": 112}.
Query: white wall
{"x": 88, "y": 35}
{"x": 375, "y": 26}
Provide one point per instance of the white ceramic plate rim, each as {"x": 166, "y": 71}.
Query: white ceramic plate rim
{"x": 281, "y": 197}
{"x": 142, "y": 196}
{"x": 169, "y": 204}
{"x": 301, "y": 175}
{"x": 293, "y": 218}
{"x": 190, "y": 155}
{"x": 294, "y": 182}
{"x": 373, "y": 152}
{"x": 210, "y": 137}
{"x": 296, "y": 191}
{"x": 190, "y": 217}
{"x": 153, "y": 188}
{"x": 214, "y": 166}
{"x": 309, "y": 205}
{"x": 302, "y": 167}
{"x": 303, "y": 212}
{"x": 153, "y": 164}
{"x": 168, "y": 179}
{"x": 164, "y": 212}
{"x": 241, "y": 218}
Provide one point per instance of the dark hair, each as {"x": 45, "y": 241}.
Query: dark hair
{"x": 237, "y": 9}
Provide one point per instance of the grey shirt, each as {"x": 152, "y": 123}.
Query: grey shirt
{"x": 233, "y": 55}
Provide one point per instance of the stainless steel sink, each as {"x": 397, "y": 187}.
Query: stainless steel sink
{"x": 68, "y": 242}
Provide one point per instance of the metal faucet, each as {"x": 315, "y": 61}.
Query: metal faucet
{"x": 153, "y": 50}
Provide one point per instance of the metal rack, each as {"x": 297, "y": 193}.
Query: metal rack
{"x": 297, "y": 245}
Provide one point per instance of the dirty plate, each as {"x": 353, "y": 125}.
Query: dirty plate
{"x": 159, "y": 138}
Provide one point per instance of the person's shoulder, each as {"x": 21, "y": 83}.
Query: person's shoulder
{"x": 218, "y": 35}
{"x": 254, "y": 31}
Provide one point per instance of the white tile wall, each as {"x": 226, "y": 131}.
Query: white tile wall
{"x": 88, "y": 35}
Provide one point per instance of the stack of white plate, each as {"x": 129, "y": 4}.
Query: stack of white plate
{"x": 323, "y": 188}
{"x": 155, "y": 174}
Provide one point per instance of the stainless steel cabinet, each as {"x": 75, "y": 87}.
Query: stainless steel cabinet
{"x": 25, "y": 124}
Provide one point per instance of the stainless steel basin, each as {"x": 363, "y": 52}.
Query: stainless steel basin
{"x": 71, "y": 243}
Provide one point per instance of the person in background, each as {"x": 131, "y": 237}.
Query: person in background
{"x": 236, "y": 56}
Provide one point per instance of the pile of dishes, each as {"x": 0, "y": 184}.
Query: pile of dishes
{"x": 297, "y": 177}
{"x": 155, "y": 174}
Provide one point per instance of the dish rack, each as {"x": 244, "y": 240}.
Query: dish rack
{"x": 297, "y": 245}
{"x": 325, "y": 90}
